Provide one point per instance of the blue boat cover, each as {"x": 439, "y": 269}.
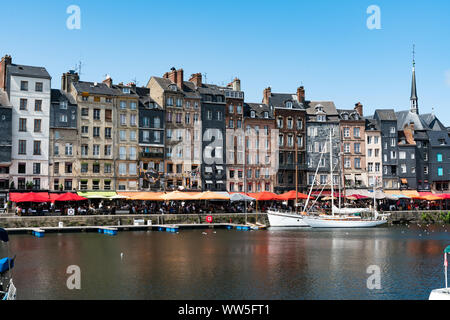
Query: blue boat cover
{"x": 5, "y": 264}
{"x": 4, "y": 235}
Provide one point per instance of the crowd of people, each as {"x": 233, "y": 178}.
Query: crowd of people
{"x": 104, "y": 207}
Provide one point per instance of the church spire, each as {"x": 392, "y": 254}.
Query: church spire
{"x": 414, "y": 99}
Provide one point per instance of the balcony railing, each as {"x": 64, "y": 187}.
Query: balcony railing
{"x": 151, "y": 154}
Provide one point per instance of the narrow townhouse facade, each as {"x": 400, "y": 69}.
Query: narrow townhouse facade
{"x": 151, "y": 142}
{"x": 352, "y": 132}
{"x": 125, "y": 133}
{"x": 323, "y": 118}
{"x": 213, "y": 135}
{"x": 373, "y": 154}
{"x": 96, "y": 118}
{"x": 182, "y": 107}
{"x": 234, "y": 126}
{"x": 5, "y": 146}
{"x": 439, "y": 162}
{"x": 28, "y": 91}
{"x": 289, "y": 112}
{"x": 63, "y": 167}
{"x": 407, "y": 158}
{"x": 260, "y": 154}
{"x": 389, "y": 138}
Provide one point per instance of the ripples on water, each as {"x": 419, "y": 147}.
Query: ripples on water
{"x": 229, "y": 264}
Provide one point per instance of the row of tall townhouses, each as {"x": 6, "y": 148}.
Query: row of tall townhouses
{"x": 177, "y": 134}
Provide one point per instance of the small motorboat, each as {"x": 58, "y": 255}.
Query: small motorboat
{"x": 444, "y": 293}
{"x": 7, "y": 288}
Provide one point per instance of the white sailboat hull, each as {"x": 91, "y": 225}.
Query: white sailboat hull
{"x": 341, "y": 223}
{"x": 440, "y": 294}
{"x": 279, "y": 219}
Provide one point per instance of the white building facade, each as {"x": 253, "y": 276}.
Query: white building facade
{"x": 29, "y": 92}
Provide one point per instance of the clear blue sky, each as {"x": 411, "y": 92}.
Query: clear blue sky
{"x": 324, "y": 45}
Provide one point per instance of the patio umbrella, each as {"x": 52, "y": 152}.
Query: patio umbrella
{"x": 69, "y": 196}
{"x": 356, "y": 197}
{"x": 33, "y": 197}
{"x": 178, "y": 196}
{"x": 240, "y": 197}
{"x": 265, "y": 196}
{"x": 149, "y": 196}
{"x": 209, "y": 195}
{"x": 292, "y": 196}
{"x": 431, "y": 197}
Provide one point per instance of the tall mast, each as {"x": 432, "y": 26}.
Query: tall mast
{"x": 296, "y": 177}
{"x": 331, "y": 174}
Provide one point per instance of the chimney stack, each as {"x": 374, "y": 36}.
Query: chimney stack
{"x": 301, "y": 94}
{"x": 359, "y": 108}
{"x": 6, "y": 60}
{"x": 108, "y": 81}
{"x": 266, "y": 94}
{"x": 176, "y": 76}
{"x": 196, "y": 79}
{"x": 67, "y": 79}
{"x": 236, "y": 84}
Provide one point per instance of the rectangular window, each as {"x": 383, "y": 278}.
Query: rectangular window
{"x": 84, "y": 168}
{"x": 36, "y": 168}
{"x": 108, "y": 115}
{"x": 56, "y": 168}
{"x": 357, "y": 147}
{"x": 96, "y": 114}
{"x": 84, "y": 112}
{"x": 96, "y": 150}
{"x": 37, "y": 125}
{"x": 23, "y": 104}
{"x": 356, "y": 132}
{"x": 37, "y": 148}
{"x": 346, "y": 132}
{"x": 22, "y": 147}
{"x": 37, "y": 105}
{"x": 68, "y": 167}
{"x": 24, "y": 85}
{"x": 96, "y": 131}
{"x": 22, "y": 125}
{"x": 85, "y": 150}
{"x": 107, "y": 168}
{"x": 123, "y": 104}
{"x": 440, "y": 172}
{"x": 69, "y": 149}
{"x": 439, "y": 157}
{"x": 133, "y": 120}
{"x": 123, "y": 119}
{"x": 63, "y": 118}
{"x": 96, "y": 168}
{"x": 108, "y": 133}
{"x": 123, "y": 135}
{"x": 107, "y": 150}
{"x": 38, "y": 87}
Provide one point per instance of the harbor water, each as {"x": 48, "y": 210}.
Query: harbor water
{"x": 231, "y": 264}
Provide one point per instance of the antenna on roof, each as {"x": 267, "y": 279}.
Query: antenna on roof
{"x": 134, "y": 80}
{"x": 78, "y": 67}
{"x": 205, "y": 77}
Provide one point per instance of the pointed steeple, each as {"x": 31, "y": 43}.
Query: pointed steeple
{"x": 414, "y": 99}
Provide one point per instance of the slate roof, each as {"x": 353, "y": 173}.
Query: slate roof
{"x": 90, "y": 87}
{"x": 119, "y": 89}
{"x": 406, "y": 117}
{"x": 371, "y": 123}
{"x": 432, "y": 122}
{"x": 259, "y": 109}
{"x": 386, "y": 114}
{"x": 435, "y": 136}
{"x": 352, "y": 114}
{"x": 278, "y": 100}
{"x": 59, "y": 95}
{"x": 145, "y": 99}
{"x": 28, "y": 71}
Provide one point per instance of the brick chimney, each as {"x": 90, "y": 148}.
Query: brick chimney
{"x": 196, "y": 79}
{"x": 301, "y": 94}
{"x": 108, "y": 81}
{"x": 359, "y": 108}
{"x": 6, "y": 60}
{"x": 176, "y": 76}
{"x": 236, "y": 84}
{"x": 67, "y": 79}
{"x": 266, "y": 94}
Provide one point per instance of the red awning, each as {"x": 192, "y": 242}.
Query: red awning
{"x": 69, "y": 196}
{"x": 326, "y": 194}
{"x": 264, "y": 196}
{"x": 292, "y": 196}
{"x": 33, "y": 197}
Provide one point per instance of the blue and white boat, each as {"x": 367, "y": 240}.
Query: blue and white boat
{"x": 443, "y": 293}
{"x": 7, "y": 288}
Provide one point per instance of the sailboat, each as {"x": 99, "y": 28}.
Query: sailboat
{"x": 444, "y": 293}
{"x": 7, "y": 288}
{"x": 279, "y": 218}
{"x": 349, "y": 219}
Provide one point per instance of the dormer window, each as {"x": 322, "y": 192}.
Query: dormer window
{"x": 266, "y": 115}
{"x": 126, "y": 90}
{"x": 173, "y": 87}
{"x": 319, "y": 108}
{"x": 321, "y": 118}
{"x": 345, "y": 116}
{"x": 289, "y": 104}
{"x": 356, "y": 116}
{"x": 442, "y": 141}
{"x": 252, "y": 114}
